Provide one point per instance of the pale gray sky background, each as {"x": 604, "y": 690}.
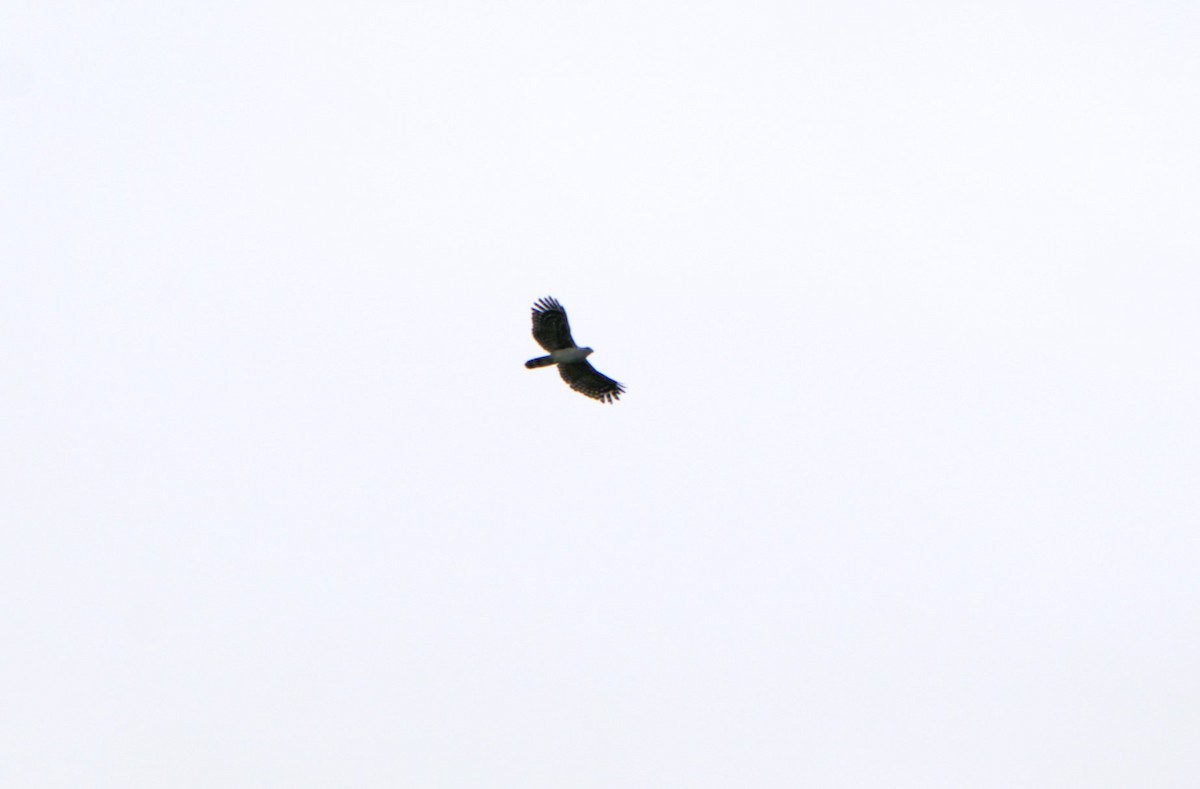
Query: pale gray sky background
{"x": 903, "y": 492}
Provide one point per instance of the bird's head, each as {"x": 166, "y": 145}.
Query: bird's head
{"x": 586, "y": 352}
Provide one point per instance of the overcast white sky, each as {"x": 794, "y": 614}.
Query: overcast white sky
{"x": 903, "y": 492}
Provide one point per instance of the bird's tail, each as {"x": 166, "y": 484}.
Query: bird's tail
{"x": 541, "y": 361}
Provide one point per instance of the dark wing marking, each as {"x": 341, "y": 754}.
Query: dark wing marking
{"x": 584, "y": 378}
{"x": 550, "y": 327}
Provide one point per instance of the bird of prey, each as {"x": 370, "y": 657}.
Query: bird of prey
{"x": 552, "y": 332}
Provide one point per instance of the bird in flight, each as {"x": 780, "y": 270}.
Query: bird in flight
{"x": 552, "y": 332}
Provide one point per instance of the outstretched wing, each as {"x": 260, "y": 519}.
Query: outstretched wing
{"x": 584, "y": 378}
{"x": 550, "y": 327}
